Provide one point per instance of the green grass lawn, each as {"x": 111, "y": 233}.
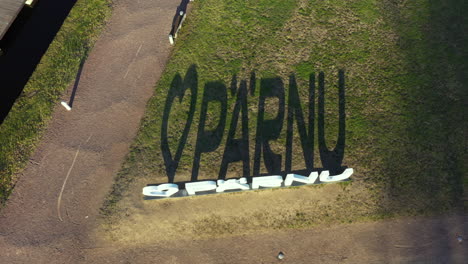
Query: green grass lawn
{"x": 23, "y": 127}
{"x": 405, "y": 65}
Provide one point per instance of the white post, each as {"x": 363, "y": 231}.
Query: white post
{"x": 64, "y": 104}
{"x": 180, "y": 23}
{"x": 30, "y": 3}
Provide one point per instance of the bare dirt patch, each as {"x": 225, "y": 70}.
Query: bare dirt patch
{"x": 405, "y": 240}
{"x": 221, "y": 215}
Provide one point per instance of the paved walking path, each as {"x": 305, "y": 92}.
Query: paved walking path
{"x": 117, "y": 80}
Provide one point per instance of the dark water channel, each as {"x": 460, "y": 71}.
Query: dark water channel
{"x": 24, "y": 44}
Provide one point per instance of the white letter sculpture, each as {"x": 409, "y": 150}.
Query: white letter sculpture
{"x": 193, "y": 187}
{"x": 232, "y": 184}
{"x": 267, "y": 181}
{"x": 290, "y": 178}
{"x": 325, "y": 176}
{"x": 169, "y": 189}
{"x": 163, "y": 190}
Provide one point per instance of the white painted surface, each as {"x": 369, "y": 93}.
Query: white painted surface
{"x": 325, "y": 176}
{"x": 267, "y": 182}
{"x": 290, "y": 178}
{"x": 163, "y": 190}
{"x": 203, "y": 186}
{"x": 232, "y": 184}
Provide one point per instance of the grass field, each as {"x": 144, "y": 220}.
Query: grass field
{"x": 405, "y": 65}
{"x": 22, "y": 128}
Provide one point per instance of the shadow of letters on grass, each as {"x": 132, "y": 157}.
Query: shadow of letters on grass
{"x": 288, "y": 111}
